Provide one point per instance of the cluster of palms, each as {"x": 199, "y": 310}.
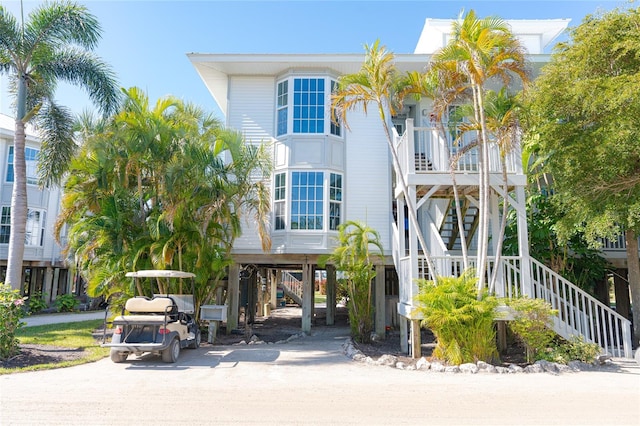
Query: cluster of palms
{"x": 162, "y": 186}
{"x": 480, "y": 53}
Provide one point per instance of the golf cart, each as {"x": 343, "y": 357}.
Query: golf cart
{"x": 162, "y": 324}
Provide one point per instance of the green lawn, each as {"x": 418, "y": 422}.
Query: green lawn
{"x": 68, "y": 335}
{"x": 320, "y": 298}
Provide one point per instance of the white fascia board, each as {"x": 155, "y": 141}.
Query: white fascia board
{"x": 215, "y": 69}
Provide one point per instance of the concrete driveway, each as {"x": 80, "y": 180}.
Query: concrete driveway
{"x": 306, "y": 382}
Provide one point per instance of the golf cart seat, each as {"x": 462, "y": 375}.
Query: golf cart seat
{"x": 159, "y": 305}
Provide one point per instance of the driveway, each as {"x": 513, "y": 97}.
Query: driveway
{"x": 306, "y": 382}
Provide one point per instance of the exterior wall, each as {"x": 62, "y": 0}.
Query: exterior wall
{"x": 40, "y": 258}
{"x": 368, "y": 175}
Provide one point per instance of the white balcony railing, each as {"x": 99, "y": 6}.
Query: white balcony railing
{"x": 424, "y": 150}
{"x": 578, "y": 312}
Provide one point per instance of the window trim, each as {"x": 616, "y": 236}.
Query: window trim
{"x": 32, "y": 179}
{"x": 329, "y": 128}
{"x": 5, "y": 214}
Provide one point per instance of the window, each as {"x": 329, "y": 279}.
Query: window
{"x": 335, "y": 200}
{"x": 279, "y": 197}
{"x": 305, "y": 111}
{"x": 308, "y": 105}
{"x": 34, "y": 233}
{"x": 31, "y": 158}
{"x": 307, "y": 200}
{"x": 335, "y": 128}
{"x": 283, "y": 97}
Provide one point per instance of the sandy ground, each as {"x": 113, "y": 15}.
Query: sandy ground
{"x": 309, "y": 381}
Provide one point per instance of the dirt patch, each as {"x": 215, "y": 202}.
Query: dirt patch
{"x": 42, "y": 354}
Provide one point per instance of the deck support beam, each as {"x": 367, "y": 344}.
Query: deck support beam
{"x": 233, "y": 297}
{"x": 380, "y": 317}
{"x": 330, "y": 288}
{"x": 308, "y": 288}
{"x": 416, "y": 350}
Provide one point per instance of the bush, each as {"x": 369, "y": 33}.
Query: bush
{"x": 36, "y": 303}
{"x": 462, "y": 324}
{"x": 532, "y": 325}
{"x": 66, "y": 303}
{"x": 574, "y": 349}
{"x": 11, "y": 311}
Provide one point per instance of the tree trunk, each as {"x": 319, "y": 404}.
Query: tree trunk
{"x": 18, "y": 209}
{"x": 633, "y": 263}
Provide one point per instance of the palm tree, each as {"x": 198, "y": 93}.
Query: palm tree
{"x": 378, "y": 82}
{"x": 480, "y": 50}
{"x": 55, "y": 44}
{"x": 358, "y": 249}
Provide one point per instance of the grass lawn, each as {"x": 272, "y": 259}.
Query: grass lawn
{"x": 69, "y": 335}
{"x": 320, "y": 298}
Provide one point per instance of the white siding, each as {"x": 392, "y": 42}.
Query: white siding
{"x": 251, "y": 107}
{"x": 368, "y": 175}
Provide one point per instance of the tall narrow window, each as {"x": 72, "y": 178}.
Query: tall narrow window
{"x": 31, "y": 158}
{"x": 335, "y": 128}
{"x": 283, "y": 100}
{"x": 34, "y": 232}
{"x": 335, "y": 200}
{"x": 308, "y": 105}
{"x": 307, "y": 200}
{"x": 5, "y": 225}
{"x": 279, "y": 191}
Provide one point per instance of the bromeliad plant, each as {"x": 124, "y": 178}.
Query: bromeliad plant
{"x": 359, "y": 248}
{"x": 461, "y": 321}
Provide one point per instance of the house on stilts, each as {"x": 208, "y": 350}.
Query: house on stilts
{"x": 325, "y": 175}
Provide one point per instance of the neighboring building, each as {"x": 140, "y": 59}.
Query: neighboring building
{"x": 44, "y": 270}
{"x": 325, "y": 175}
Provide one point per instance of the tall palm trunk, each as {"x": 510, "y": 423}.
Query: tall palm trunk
{"x": 18, "y": 209}
{"x": 15, "y": 255}
{"x": 483, "y": 243}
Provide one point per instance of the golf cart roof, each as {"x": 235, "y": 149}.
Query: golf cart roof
{"x": 160, "y": 273}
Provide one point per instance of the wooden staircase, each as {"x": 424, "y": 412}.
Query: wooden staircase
{"x": 292, "y": 287}
{"x": 449, "y": 229}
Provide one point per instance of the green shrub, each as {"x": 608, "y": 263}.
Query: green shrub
{"x": 36, "y": 303}
{"x": 532, "y": 325}
{"x": 10, "y": 313}
{"x": 66, "y": 303}
{"x": 462, "y": 324}
{"x": 574, "y": 349}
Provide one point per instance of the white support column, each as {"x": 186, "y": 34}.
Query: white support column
{"x": 523, "y": 243}
{"x": 380, "y": 316}
{"x": 404, "y": 342}
{"x": 274, "y": 287}
{"x": 496, "y": 212}
{"x": 307, "y": 296}
{"x": 331, "y": 295}
{"x": 233, "y": 297}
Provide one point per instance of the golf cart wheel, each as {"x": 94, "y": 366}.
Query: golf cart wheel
{"x": 195, "y": 344}
{"x": 117, "y": 356}
{"x": 172, "y": 353}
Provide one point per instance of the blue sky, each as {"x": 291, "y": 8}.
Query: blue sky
{"x": 146, "y": 42}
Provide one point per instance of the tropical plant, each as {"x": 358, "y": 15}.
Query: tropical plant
{"x": 66, "y": 303}
{"x": 533, "y": 325}
{"x": 480, "y": 52}
{"x": 359, "y": 248}
{"x": 461, "y": 322}
{"x": 584, "y": 108}
{"x": 378, "y": 82}
{"x": 36, "y": 303}
{"x": 11, "y": 311}
{"x": 160, "y": 186}
{"x": 54, "y": 45}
